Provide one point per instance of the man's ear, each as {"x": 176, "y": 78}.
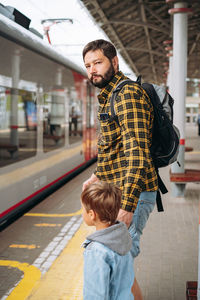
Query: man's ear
{"x": 115, "y": 63}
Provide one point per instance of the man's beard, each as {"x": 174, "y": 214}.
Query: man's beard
{"x": 104, "y": 79}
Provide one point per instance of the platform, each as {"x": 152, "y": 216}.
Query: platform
{"x": 169, "y": 247}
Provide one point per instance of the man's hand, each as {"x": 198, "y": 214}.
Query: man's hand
{"x": 92, "y": 179}
{"x": 125, "y": 216}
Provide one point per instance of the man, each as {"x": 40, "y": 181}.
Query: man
{"x": 123, "y": 150}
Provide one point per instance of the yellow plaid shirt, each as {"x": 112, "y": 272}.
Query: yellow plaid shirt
{"x": 123, "y": 151}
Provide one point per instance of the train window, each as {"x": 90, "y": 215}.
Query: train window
{"x": 18, "y": 125}
{"x": 58, "y": 90}
{"x": 75, "y": 120}
{"x": 54, "y": 120}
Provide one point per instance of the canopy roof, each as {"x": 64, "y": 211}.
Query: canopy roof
{"x": 139, "y": 30}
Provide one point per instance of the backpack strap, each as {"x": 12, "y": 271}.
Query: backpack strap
{"x": 161, "y": 188}
{"x": 114, "y": 96}
{"x": 159, "y": 202}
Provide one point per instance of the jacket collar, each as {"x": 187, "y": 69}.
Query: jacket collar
{"x": 107, "y": 90}
{"x": 115, "y": 237}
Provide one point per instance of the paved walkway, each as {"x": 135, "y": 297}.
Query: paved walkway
{"x": 169, "y": 246}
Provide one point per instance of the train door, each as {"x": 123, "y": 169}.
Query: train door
{"x": 90, "y": 132}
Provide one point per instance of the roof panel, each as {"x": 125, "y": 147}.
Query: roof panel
{"x": 138, "y": 30}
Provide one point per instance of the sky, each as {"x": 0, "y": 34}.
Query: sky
{"x": 66, "y": 37}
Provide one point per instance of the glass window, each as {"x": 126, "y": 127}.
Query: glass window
{"x": 54, "y": 120}
{"x": 194, "y": 119}
{"x": 188, "y": 109}
{"x": 187, "y": 119}
{"x": 195, "y": 109}
{"x": 75, "y": 120}
{"x": 18, "y": 125}
{"x": 26, "y": 74}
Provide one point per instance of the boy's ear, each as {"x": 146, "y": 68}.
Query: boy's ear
{"x": 92, "y": 214}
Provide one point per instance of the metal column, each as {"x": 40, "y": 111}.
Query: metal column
{"x": 179, "y": 72}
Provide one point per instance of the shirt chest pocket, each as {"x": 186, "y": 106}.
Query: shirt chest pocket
{"x": 110, "y": 131}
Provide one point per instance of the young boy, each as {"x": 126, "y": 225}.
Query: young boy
{"x": 108, "y": 264}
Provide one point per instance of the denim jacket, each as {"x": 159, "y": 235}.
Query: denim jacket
{"x": 108, "y": 264}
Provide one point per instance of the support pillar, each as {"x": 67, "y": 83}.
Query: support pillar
{"x": 168, "y": 64}
{"x": 179, "y": 71}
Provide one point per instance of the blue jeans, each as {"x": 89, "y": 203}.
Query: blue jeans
{"x": 145, "y": 206}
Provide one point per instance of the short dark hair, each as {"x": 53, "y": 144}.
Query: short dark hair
{"x": 106, "y": 47}
{"x": 104, "y": 198}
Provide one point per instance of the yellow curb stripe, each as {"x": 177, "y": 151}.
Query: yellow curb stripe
{"x": 64, "y": 280}
{"x": 31, "y": 276}
{"x": 79, "y": 212}
{"x": 47, "y": 225}
{"x": 23, "y": 246}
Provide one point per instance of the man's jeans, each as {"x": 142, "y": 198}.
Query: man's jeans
{"x": 145, "y": 206}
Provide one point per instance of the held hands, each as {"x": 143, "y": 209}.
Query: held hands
{"x": 125, "y": 216}
{"x": 92, "y": 179}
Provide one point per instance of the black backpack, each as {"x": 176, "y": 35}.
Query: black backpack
{"x": 165, "y": 137}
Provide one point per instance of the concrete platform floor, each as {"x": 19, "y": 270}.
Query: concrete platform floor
{"x": 169, "y": 245}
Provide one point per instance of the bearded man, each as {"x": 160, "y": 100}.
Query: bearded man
{"x": 124, "y": 155}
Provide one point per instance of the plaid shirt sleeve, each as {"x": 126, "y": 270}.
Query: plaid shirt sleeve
{"x": 135, "y": 117}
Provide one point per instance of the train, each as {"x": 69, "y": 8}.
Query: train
{"x": 48, "y": 123}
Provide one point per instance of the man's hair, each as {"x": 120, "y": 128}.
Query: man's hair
{"x": 106, "y": 47}
{"x": 104, "y": 199}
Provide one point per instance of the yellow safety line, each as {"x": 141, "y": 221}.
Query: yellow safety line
{"x": 47, "y": 225}
{"x": 79, "y": 212}
{"x": 31, "y": 277}
{"x": 24, "y": 246}
{"x": 64, "y": 280}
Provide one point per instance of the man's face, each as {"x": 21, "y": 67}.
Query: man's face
{"x": 99, "y": 68}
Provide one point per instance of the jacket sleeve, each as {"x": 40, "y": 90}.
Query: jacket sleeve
{"x": 134, "y": 114}
{"x": 96, "y": 276}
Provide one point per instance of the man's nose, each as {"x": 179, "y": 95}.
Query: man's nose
{"x": 93, "y": 69}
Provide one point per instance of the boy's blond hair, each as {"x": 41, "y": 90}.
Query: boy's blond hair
{"x": 104, "y": 199}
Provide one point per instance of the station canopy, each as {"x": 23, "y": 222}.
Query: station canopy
{"x": 142, "y": 31}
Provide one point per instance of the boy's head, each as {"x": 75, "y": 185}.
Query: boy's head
{"x": 104, "y": 200}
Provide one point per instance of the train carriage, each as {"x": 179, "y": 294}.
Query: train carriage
{"x": 47, "y": 118}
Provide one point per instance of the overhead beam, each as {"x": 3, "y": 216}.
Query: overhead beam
{"x": 146, "y": 30}
{"x": 156, "y": 16}
{"x": 139, "y": 24}
{"x": 129, "y": 48}
{"x": 106, "y": 22}
{"x": 193, "y": 45}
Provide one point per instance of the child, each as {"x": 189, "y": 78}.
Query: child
{"x": 108, "y": 264}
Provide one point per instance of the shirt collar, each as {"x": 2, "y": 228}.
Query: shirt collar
{"x": 104, "y": 93}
